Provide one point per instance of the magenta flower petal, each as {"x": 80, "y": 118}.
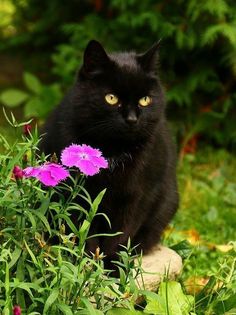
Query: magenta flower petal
{"x": 50, "y": 174}
{"x": 31, "y": 171}
{"x": 46, "y": 178}
{"x": 90, "y": 151}
{"x": 86, "y": 158}
{"x": 58, "y": 171}
{"x": 69, "y": 155}
{"x": 100, "y": 162}
{"x": 87, "y": 167}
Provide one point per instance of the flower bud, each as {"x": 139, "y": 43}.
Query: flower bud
{"x": 54, "y": 158}
{"x": 17, "y": 172}
{"x": 27, "y": 129}
{"x": 16, "y": 310}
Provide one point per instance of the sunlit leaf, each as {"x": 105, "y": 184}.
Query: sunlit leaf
{"x": 50, "y": 300}
{"x": 32, "y": 82}
{"x": 170, "y": 300}
{"x": 123, "y": 311}
{"x": 13, "y": 97}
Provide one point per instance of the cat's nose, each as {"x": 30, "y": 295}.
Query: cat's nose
{"x": 132, "y": 118}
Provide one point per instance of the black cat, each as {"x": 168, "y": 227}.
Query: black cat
{"x": 117, "y": 105}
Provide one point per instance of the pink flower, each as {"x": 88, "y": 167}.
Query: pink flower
{"x": 86, "y": 158}
{"x": 31, "y": 171}
{"x": 27, "y": 129}
{"x": 50, "y": 174}
{"x": 17, "y": 172}
{"x": 16, "y": 310}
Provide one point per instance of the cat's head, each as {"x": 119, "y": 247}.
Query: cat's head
{"x": 119, "y": 95}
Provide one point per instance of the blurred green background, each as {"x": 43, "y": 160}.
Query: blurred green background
{"x": 42, "y": 42}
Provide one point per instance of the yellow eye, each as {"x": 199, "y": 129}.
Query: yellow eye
{"x": 111, "y": 99}
{"x": 145, "y": 101}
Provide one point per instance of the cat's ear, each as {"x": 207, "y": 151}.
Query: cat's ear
{"x": 149, "y": 60}
{"x": 95, "y": 59}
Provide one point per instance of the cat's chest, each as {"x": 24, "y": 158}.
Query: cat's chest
{"x": 121, "y": 178}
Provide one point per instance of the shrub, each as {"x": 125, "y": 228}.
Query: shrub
{"x": 38, "y": 100}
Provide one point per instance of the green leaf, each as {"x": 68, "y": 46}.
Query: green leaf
{"x": 183, "y": 248}
{"x": 27, "y": 287}
{"x": 43, "y": 219}
{"x": 170, "y": 300}
{"x": 122, "y": 276}
{"x": 13, "y": 97}
{"x": 7, "y": 281}
{"x": 15, "y": 256}
{"x": 84, "y": 228}
{"x": 65, "y": 309}
{"x": 50, "y": 300}
{"x": 123, "y": 311}
{"x": 32, "y": 82}
{"x": 59, "y": 247}
{"x": 32, "y": 107}
{"x": 88, "y": 306}
{"x": 68, "y": 221}
{"x": 95, "y": 204}
{"x": 203, "y": 297}
{"x": 226, "y": 305}
{"x": 31, "y": 219}
{"x": 44, "y": 206}
{"x": 31, "y": 254}
{"x": 87, "y": 312}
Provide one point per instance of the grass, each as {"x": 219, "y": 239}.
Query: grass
{"x": 207, "y": 215}
{"x": 208, "y": 195}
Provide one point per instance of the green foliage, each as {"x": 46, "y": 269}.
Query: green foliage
{"x": 13, "y": 97}
{"x": 197, "y": 54}
{"x": 210, "y": 177}
{"x": 38, "y": 101}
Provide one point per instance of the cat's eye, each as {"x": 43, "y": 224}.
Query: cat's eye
{"x": 111, "y": 99}
{"x": 145, "y": 101}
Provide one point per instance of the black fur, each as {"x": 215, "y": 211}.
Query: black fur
{"x": 141, "y": 195}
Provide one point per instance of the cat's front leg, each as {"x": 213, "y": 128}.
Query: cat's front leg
{"x": 151, "y": 230}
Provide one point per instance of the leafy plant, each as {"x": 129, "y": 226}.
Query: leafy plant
{"x": 39, "y": 276}
{"x": 38, "y": 101}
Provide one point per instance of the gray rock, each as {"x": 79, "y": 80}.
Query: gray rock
{"x": 161, "y": 263}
